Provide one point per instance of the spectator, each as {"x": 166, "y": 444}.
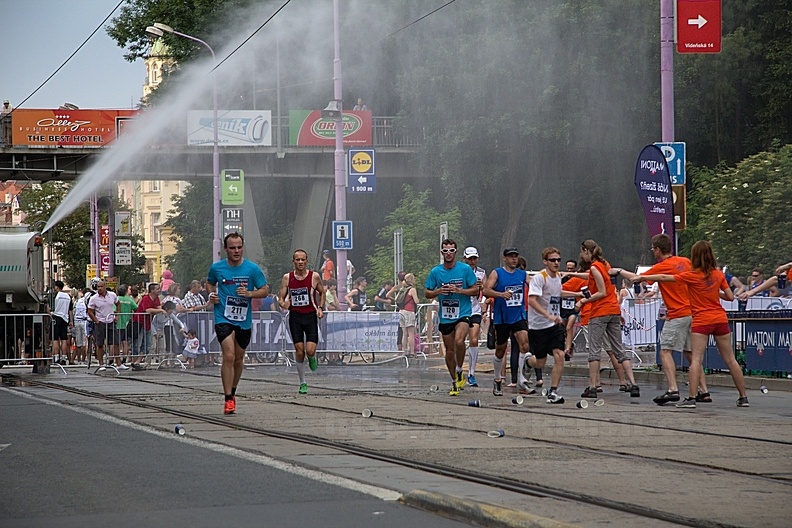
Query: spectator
{"x": 192, "y": 347}
{"x": 359, "y": 106}
{"x": 148, "y": 307}
{"x": 328, "y": 268}
{"x": 124, "y": 333}
{"x": 331, "y": 295}
{"x": 167, "y": 280}
{"x": 381, "y": 301}
{"x": 755, "y": 280}
{"x": 356, "y": 298}
{"x": 6, "y": 109}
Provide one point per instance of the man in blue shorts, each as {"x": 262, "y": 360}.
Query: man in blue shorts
{"x": 231, "y": 284}
{"x": 452, "y": 283}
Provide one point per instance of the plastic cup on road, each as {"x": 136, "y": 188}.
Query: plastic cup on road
{"x": 498, "y": 433}
{"x": 517, "y": 400}
{"x": 179, "y": 430}
{"x": 474, "y": 403}
{"x": 434, "y": 388}
{"x": 367, "y": 413}
{"x": 599, "y": 403}
{"x": 763, "y": 389}
{"x": 582, "y": 404}
{"x": 544, "y": 392}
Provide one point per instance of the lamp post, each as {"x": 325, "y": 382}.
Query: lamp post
{"x": 158, "y": 30}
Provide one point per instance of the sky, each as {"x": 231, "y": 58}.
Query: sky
{"x": 38, "y": 35}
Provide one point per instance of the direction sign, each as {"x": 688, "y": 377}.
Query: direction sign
{"x": 675, "y": 160}
{"x": 232, "y": 221}
{"x": 342, "y": 234}
{"x": 680, "y": 207}
{"x": 123, "y": 252}
{"x": 698, "y": 26}
{"x": 233, "y": 182}
{"x": 361, "y": 171}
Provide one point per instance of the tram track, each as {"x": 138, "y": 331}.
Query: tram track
{"x": 519, "y": 486}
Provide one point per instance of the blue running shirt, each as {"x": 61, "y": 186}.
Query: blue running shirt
{"x": 456, "y": 306}
{"x": 233, "y": 309}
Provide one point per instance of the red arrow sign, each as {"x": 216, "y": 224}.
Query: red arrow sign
{"x": 698, "y": 26}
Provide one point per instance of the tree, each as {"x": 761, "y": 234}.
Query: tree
{"x": 420, "y": 225}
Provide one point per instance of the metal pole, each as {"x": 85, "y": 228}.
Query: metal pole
{"x": 667, "y": 69}
{"x": 340, "y": 181}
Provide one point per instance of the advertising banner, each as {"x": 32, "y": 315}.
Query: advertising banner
{"x": 654, "y": 191}
{"x": 123, "y": 252}
{"x": 768, "y": 345}
{"x": 235, "y": 128}
{"x": 307, "y": 128}
{"x": 68, "y": 128}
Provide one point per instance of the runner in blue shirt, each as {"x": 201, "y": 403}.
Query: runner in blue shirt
{"x": 231, "y": 284}
{"x": 452, "y": 283}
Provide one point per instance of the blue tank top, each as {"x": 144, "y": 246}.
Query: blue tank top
{"x": 509, "y": 311}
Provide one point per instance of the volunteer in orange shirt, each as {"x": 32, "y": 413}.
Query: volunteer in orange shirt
{"x": 605, "y": 319}
{"x": 676, "y": 329}
{"x": 706, "y": 287}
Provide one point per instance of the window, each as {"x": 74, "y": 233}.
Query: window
{"x": 154, "y": 186}
{"x": 155, "y": 232}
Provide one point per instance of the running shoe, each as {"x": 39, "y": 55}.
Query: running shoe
{"x": 497, "y": 388}
{"x": 635, "y": 391}
{"x": 102, "y": 368}
{"x": 230, "y": 407}
{"x": 687, "y": 403}
{"x": 122, "y": 367}
{"x": 666, "y": 397}
{"x": 312, "y": 363}
{"x": 525, "y": 389}
{"x": 590, "y": 392}
{"x": 743, "y": 402}
{"x": 472, "y": 381}
{"x": 554, "y": 397}
{"x": 454, "y": 389}
{"x": 460, "y": 381}
{"x": 303, "y": 388}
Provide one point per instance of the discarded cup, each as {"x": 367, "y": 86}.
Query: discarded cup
{"x": 367, "y": 413}
{"x": 599, "y": 403}
{"x": 498, "y": 433}
{"x": 763, "y": 389}
{"x": 434, "y": 388}
{"x": 179, "y": 430}
{"x": 517, "y": 400}
{"x": 474, "y": 403}
{"x": 582, "y": 404}
{"x": 544, "y": 392}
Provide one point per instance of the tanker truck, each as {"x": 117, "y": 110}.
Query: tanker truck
{"x": 23, "y": 311}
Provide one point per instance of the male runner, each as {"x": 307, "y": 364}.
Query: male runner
{"x": 471, "y": 257}
{"x": 231, "y": 284}
{"x": 298, "y": 295}
{"x": 506, "y": 286}
{"x": 452, "y": 283}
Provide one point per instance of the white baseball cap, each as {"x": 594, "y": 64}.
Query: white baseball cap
{"x": 470, "y": 251}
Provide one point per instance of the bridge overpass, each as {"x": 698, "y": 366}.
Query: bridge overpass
{"x": 314, "y": 166}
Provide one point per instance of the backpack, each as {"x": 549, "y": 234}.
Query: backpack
{"x": 401, "y": 297}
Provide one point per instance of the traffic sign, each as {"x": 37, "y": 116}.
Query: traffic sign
{"x": 123, "y": 252}
{"x": 680, "y": 207}
{"x": 232, "y": 221}
{"x": 233, "y": 181}
{"x": 675, "y": 156}
{"x": 342, "y": 234}
{"x": 698, "y": 26}
{"x": 361, "y": 171}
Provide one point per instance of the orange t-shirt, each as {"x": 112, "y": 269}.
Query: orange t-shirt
{"x": 703, "y": 294}
{"x": 675, "y": 294}
{"x": 608, "y": 305}
{"x": 328, "y": 270}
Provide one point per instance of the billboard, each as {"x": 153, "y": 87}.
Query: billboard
{"x": 235, "y": 128}
{"x": 307, "y": 128}
{"x": 68, "y": 128}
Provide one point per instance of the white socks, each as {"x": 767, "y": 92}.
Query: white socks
{"x": 473, "y": 359}
{"x": 301, "y": 370}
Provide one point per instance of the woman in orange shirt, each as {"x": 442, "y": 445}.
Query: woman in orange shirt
{"x": 706, "y": 287}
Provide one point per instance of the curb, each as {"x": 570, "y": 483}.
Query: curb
{"x": 481, "y": 513}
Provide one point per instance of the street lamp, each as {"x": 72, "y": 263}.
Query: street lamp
{"x": 158, "y": 30}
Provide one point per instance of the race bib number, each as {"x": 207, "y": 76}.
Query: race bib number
{"x": 554, "y": 306}
{"x": 449, "y": 309}
{"x": 516, "y": 296}
{"x": 236, "y": 309}
{"x": 299, "y": 297}
{"x": 568, "y": 303}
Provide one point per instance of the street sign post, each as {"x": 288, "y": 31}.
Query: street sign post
{"x": 361, "y": 171}
{"x": 232, "y": 221}
{"x": 680, "y": 207}
{"x": 233, "y": 181}
{"x": 342, "y": 234}
{"x": 698, "y": 26}
{"x": 675, "y": 156}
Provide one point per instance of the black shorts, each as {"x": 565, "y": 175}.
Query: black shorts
{"x": 503, "y": 331}
{"x": 123, "y": 334}
{"x": 104, "y": 332}
{"x": 60, "y": 331}
{"x": 475, "y": 319}
{"x": 223, "y": 330}
{"x": 544, "y": 341}
{"x": 448, "y": 328}
{"x": 304, "y": 327}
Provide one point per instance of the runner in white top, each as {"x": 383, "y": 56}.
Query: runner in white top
{"x": 471, "y": 257}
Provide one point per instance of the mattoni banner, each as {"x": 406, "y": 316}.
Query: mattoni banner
{"x": 68, "y": 128}
{"x": 653, "y": 184}
{"x": 307, "y": 128}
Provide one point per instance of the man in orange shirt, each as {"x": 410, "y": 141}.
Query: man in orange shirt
{"x": 676, "y": 329}
{"x": 328, "y": 268}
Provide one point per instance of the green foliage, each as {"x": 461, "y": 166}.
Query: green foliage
{"x": 744, "y": 211}
{"x": 192, "y": 232}
{"x": 420, "y": 225}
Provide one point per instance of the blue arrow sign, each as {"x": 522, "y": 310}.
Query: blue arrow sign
{"x": 675, "y": 160}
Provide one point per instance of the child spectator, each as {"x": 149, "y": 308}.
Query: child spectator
{"x": 192, "y": 348}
